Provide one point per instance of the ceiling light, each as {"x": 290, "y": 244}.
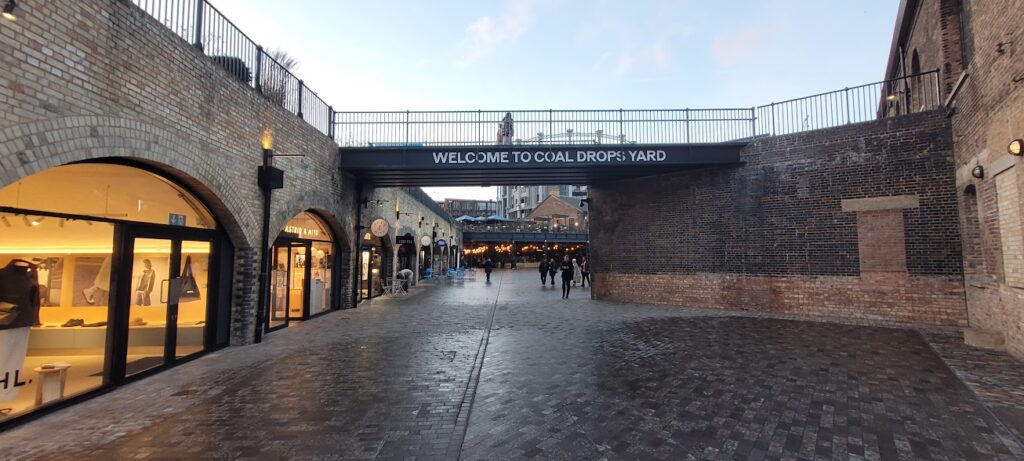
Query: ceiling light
{"x": 4, "y": 220}
{"x": 9, "y": 8}
{"x": 891, "y": 97}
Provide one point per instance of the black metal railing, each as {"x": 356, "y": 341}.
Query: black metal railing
{"x": 429, "y": 128}
{"x": 671, "y": 126}
{"x": 898, "y": 96}
{"x": 202, "y": 25}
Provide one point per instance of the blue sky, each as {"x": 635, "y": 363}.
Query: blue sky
{"x": 571, "y": 54}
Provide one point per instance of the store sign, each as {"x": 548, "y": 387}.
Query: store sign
{"x": 175, "y": 219}
{"x": 302, "y": 231}
{"x": 405, "y": 239}
{"x": 379, "y": 227}
{"x": 425, "y": 240}
{"x": 441, "y": 243}
{"x": 539, "y": 156}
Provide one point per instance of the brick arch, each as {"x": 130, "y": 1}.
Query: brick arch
{"x": 284, "y": 208}
{"x": 39, "y": 145}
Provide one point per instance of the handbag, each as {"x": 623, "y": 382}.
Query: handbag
{"x": 189, "y": 287}
{"x": 8, "y": 313}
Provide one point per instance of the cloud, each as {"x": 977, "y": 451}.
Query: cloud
{"x": 732, "y": 48}
{"x": 487, "y": 34}
{"x": 658, "y": 53}
{"x": 625, "y": 63}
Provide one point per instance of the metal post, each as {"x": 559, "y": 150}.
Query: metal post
{"x": 753, "y": 122}
{"x": 846, "y": 91}
{"x": 687, "y": 125}
{"x": 622, "y": 139}
{"x": 330, "y": 122}
{"x": 479, "y": 127}
{"x": 259, "y": 69}
{"x": 197, "y": 37}
{"x": 263, "y": 298}
{"x": 772, "y": 106}
{"x": 406, "y": 127}
{"x": 551, "y": 121}
{"x": 301, "y": 86}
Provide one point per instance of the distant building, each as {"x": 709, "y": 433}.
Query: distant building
{"x": 467, "y": 207}
{"x": 516, "y": 202}
{"x": 560, "y": 213}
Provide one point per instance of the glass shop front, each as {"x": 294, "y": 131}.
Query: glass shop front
{"x": 108, "y": 272}
{"x": 302, "y": 271}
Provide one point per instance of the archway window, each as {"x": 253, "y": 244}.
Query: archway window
{"x": 108, "y": 192}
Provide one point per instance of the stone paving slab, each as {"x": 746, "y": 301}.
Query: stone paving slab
{"x": 510, "y": 371}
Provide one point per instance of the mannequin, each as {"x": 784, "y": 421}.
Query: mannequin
{"x": 19, "y": 311}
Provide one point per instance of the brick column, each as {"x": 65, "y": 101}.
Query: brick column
{"x": 243, "y": 304}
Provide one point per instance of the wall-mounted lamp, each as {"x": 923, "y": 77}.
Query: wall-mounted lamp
{"x": 978, "y": 171}
{"x": 9, "y": 8}
{"x": 1014, "y": 148}
{"x": 584, "y": 202}
{"x": 366, "y": 202}
{"x": 4, "y": 220}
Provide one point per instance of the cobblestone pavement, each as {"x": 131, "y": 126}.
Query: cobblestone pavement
{"x": 511, "y": 371}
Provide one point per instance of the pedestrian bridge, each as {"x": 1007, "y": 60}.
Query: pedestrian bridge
{"x": 536, "y": 147}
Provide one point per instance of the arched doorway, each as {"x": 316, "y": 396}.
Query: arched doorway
{"x": 375, "y": 266}
{"x": 113, "y": 272}
{"x": 302, "y": 277}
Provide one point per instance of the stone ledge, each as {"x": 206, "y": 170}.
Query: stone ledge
{"x": 881, "y": 203}
{"x": 984, "y": 339}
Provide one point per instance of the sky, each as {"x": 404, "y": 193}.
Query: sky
{"x": 570, "y": 54}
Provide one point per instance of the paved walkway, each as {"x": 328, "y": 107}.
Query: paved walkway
{"x": 510, "y": 371}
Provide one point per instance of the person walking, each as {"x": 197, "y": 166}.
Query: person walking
{"x": 488, "y": 268}
{"x": 585, "y": 271}
{"x": 552, "y": 270}
{"x": 577, "y": 276}
{"x": 543, "y": 272}
{"x": 567, "y": 272}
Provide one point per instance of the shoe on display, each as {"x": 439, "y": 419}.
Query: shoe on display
{"x": 137, "y": 322}
{"x": 88, "y": 298}
{"x": 95, "y": 324}
{"x": 74, "y": 323}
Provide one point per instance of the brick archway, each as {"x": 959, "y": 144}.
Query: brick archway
{"x": 36, "y": 146}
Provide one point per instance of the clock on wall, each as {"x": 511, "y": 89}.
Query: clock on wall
{"x": 379, "y": 227}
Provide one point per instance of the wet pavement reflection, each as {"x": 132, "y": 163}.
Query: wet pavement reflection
{"x": 508, "y": 370}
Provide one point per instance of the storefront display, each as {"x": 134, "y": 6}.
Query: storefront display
{"x": 301, "y": 276}
{"x": 70, "y": 291}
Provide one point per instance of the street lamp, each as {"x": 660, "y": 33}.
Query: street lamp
{"x": 268, "y": 178}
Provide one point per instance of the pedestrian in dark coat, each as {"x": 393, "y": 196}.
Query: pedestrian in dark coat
{"x": 488, "y": 268}
{"x": 543, "y": 272}
{"x": 585, "y": 269}
{"x": 567, "y": 273}
{"x": 552, "y": 270}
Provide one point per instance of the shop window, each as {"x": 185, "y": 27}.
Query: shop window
{"x": 302, "y": 265}
{"x": 59, "y": 268}
{"x": 106, "y": 191}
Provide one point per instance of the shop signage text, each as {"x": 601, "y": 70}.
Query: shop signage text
{"x": 302, "y": 231}
{"x": 501, "y": 157}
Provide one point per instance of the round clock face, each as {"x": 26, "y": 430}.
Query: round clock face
{"x": 425, "y": 240}
{"x": 379, "y": 227}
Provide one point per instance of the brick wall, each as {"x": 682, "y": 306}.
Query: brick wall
{"x": 988, "y": 113}
{"x": 786, "y": 231}
{"x": 90, "y": 79}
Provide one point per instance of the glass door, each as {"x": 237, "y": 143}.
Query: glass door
{"x": 168, "y": 297}
{"x": 153, "y": 296}
{"x": 279, "y": 296}
{"x": 298, "y": 280}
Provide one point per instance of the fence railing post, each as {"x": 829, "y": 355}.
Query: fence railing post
{"x": 753, "y": 123}
{"x": 846, "y": 92}
{"x": 299, "y": 112}
{"x": 551, "y": 122}
{"x": 258, "y": 74}
{"x": 687, "y": 112}
{"x": 407, "y": 127}
{"x": 772, "y": 108}
{"x": 330, "y": 122}
{"x": 479, "y": 126}
{"x": 197, "y": 35}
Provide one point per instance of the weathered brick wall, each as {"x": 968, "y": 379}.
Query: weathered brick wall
{"x": 87, "y": 79}
{"x": 780, "y": 233}
{"x": 988, "y": 113}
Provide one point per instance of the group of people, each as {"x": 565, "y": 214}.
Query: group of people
{"x": 573, "y": 273}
